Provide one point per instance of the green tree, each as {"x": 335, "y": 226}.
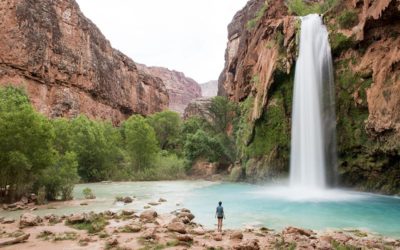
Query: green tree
{"x": 167, "y": 125}
{"x": 98, "y": 148}
{"x": 141, "y": 142}
{"x": 223, "y": 113}
{"x": 202, "y": 145}
{"x": 25, "y": 142}
{"x": 59, "y": 179}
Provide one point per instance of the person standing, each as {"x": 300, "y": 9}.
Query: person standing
{"x": 219, "y": 213}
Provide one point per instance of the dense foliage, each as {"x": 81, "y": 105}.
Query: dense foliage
{"x": 48, "y": 156}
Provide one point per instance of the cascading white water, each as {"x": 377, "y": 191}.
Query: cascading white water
{"x": 313, "y": 145}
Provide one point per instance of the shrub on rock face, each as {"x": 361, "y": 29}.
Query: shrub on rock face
{"x": 348, "y": 19}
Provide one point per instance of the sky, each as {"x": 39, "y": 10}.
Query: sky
{"x": 185, "y": 35}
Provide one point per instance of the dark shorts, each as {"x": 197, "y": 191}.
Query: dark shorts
{"x": 220, "y": 217}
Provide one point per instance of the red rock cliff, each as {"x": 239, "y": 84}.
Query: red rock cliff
{"x": 68, "y": 67}
{"x": 181, "y": 89}
{"x": 365, "y": 41}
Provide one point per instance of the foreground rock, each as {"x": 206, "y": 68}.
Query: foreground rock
{"x": 152, "y": 231}
{"x": 148, "y": 215}
{"x": 12, "y": 241}
{"x": 29, "y": 220}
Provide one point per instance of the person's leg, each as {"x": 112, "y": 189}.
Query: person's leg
{"x": 221, "y": 224}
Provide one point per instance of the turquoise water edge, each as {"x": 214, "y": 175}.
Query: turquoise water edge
{"x": 246, "y": 205}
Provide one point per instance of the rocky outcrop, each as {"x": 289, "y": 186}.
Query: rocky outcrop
{"x": 199, "y": 107}
{"x": 181, "y": 89}
{"x": 365, "y": 38}
{"x": 68, "y": 67}
{"x": 209, "y": 89}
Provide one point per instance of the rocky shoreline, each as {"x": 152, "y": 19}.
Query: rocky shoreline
{"x": 128, "y": 229}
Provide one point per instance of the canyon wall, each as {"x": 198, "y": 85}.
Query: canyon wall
{"x": 259, "y": 71}
{"x": 68, "y": 67}
{"x": 181, "y": 89}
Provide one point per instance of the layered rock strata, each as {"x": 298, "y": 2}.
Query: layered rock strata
{"x": 181, "y": 89}
{"x": 68, "y": 67}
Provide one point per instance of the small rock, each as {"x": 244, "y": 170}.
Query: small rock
{"x": 24, "y": 200}
{"x": 8, "y": 221}
{"x": 294, "y": 230}
{"x": 150, "y": 233}
{"x": 146, "y": 207}
{"x": 198, "y": 231}
{"x": 162, "y": 200}
{"x": 178, "y": 227}
{"x": 148, "y": 215}
{"x": 340, "y": 237}
{"x": 33, "y": 209}
{"x": 29, "y": 220}
{"x": 127, "y": 212}
{"x": 236, "y": 235}
{"x": 84, "y": 204}
{"x": 217, "y": 237}
{"x": 248, "y": 245}
{"x": 112, "y": 241}
{"x": 189, "y": 215}
{"x": 76, "y": 218}
{"x": 154, "y": 203}
{"x": 184, "y": 237}
{"x": 134, "y": 228}
{"x": 128, "y": 199}
{"x": 185, "y": 210}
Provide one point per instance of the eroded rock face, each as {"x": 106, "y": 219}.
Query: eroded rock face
{"x": 199, "y": 107}
{"x": 181, "y": 89}
{"x": 259, "y": 72}
{"x": 68, "y": 67}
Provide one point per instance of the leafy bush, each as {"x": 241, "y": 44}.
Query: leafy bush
{"x": 302, "y": 8}
{"x": 88, "y": 193}
{"x": 348, "y": 19}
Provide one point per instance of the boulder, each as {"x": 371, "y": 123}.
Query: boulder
{"x": 162, "y": 200}
{"x": 178, "y": 227}
{"x": 134, "y": 228}
{"x": 184, "y": 237}
{"x": 128, "y": 200}
{"x": 29, "y": 220}
{"x": 189, "y": 215}
{"x": 150, "y": 233}
{"x": 76, "y": 218}
{"x": 236, "y": 235}
{"x": 53, "y": 219}
{"x": 148, "y": 215}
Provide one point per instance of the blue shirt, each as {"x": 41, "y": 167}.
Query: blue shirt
{"x": 220, "y": 211}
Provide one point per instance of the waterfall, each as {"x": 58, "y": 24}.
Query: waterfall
{"x": 313, "y": 145}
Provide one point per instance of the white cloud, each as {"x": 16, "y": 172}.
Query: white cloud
{"x": 185, "y": 35}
